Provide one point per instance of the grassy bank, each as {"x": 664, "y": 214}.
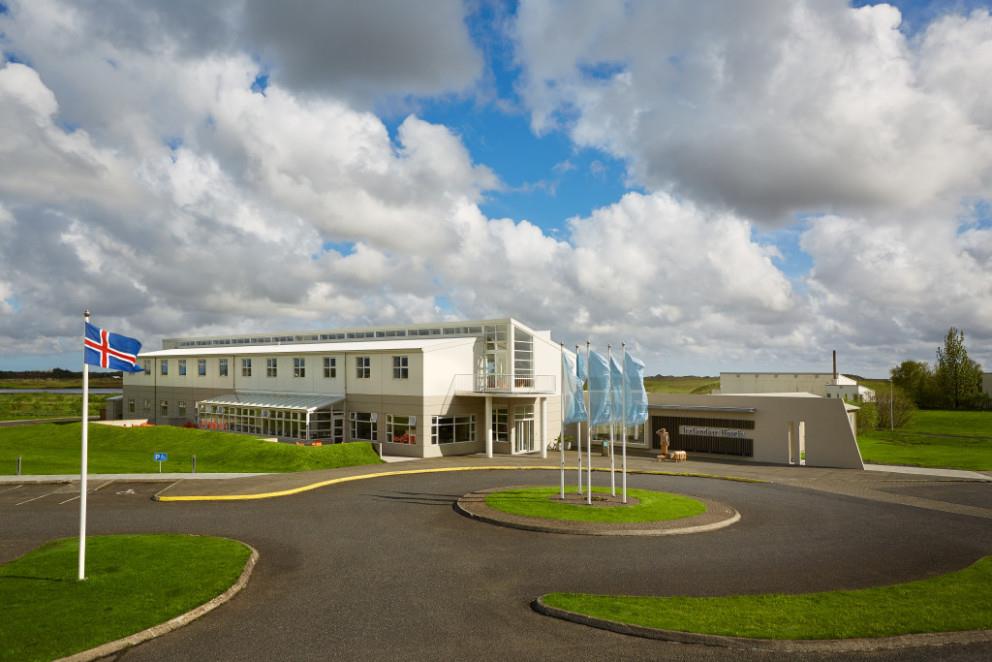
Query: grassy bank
{"x": 21, "y": 406}
{"x": 952, "y": 602}
{"x": 652, "y": 506}
{"x": 96, "y": 381}
{"x": 54, "y": 449}
{"x": 133, "y": 583}
{"x": 691, "y": 384}
{"x": 949, "y": 439}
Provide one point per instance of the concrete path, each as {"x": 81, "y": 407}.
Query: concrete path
{"x": 929, "y": 471}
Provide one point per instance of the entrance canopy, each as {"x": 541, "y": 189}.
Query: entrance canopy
{"x": 275, "y": 401}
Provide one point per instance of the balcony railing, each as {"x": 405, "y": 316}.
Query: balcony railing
{"x": 506, "y": 383}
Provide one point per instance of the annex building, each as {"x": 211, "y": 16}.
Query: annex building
{"x": 451, "y": 388}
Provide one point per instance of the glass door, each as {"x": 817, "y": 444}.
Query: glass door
{"x": 523, "y": 429}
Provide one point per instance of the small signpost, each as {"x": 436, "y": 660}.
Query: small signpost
{"x": 160, "y": 458}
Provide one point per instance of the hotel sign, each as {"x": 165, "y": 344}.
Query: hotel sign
{"x": 707, "y": 431}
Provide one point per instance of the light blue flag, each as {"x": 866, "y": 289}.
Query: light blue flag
{"x": 616, "y": 390}
{"x": 582, "y": 369}
{"x": 571, "y": 389}
{"x": 637, "y": 396}
{"x": 599, "y": 389}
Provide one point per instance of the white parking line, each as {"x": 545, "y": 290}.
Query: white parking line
{"x": 69, "y": 499}
{"x": 11, "y": 489}
{"x": 97, "y": 489}
{"x": 36, "y": 498}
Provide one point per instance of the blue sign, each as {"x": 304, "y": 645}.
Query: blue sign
{"x": 161, "y": 457}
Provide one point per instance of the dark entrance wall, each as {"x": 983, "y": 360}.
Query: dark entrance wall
{"x": 700, "y": 443}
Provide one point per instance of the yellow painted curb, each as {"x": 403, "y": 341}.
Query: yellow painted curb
{"x": 409, "y": 472}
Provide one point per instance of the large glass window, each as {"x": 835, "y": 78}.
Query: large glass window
{"x": 201, "y": 367}
{"x": 164, "y": 367}
{"x": 401, "y": 367}
{"x": 363, "y": 426}
{"x": 271, "y": 367}
{"x": 523, "y": 358}
{"x": 501, "y": 430}
{"x": 222, "y": 367}
{"x": 181, "y": 407}
{"x": 363, "y": 367}
{"x": 299, "y": 367}
{"x": 182, "y": 367}
{"x": 330, "y": 367}
{"x": 452, "y": 429}
{"x": 401, "y": 429}
{"x": 246, "y": 367}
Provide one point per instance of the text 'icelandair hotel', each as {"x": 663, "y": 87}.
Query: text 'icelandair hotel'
{"x": 428, "y": 390}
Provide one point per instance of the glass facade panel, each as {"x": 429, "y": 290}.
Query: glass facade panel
{"x": 501, "y": 430}
{"x": 363, "y": 426}
{"x": 452, "y": 429}
{"x": 401, "y": 429}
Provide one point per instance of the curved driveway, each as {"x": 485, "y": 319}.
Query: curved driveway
{"x": 386, "y": 569}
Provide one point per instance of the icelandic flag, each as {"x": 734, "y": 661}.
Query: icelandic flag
{"x": 637, "y": 396}
{"x": 616, "y": 391}
{"x": 110, "y": 350}
{"x": 599, "y": 389}
{"x": 574, "y": 399}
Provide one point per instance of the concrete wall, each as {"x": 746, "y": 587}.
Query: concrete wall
{"x": 775, "y": 382}
{"x": 829, "y": 439}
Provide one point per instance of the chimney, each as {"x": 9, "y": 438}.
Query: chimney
{"x": 835, "y": 366}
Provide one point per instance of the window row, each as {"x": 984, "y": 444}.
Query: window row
{"x": 363, "y": 367}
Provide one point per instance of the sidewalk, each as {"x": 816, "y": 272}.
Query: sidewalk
{"x": 928, "y": 471}
{"x": 147, "y": 478}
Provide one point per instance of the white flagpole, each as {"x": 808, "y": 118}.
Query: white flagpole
{"x": 613, "y": 476}
{"x": 623, "y": 418}
{"x": 589, "y": 438}
{"x": 561, "y": 433}
{"x": 578, "y": 426}
{"x": 82, "y": 471}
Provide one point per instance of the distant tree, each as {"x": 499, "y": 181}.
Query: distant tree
{"x": 917, "y": 380}
{"x": 958, "y": 377}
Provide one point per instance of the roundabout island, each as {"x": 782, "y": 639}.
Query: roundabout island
{"x": 646, "y": 513}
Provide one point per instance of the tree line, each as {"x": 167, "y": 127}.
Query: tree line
{"x": 953, "y": 382}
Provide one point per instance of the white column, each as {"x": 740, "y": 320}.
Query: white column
{"x": 544, "y": 427}
{"x": 489, "y": 426}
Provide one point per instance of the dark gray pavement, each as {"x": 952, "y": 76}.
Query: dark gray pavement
{"x": 386, "y": 569}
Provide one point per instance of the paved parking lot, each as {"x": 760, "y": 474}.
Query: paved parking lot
{"x": 386, "y": 569}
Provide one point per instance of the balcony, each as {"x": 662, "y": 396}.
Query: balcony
{"x": 505, "y": 384}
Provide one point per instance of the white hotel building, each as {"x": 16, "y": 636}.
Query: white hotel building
{"x": 423, "y": 390}
{"x": 452, "y": 388}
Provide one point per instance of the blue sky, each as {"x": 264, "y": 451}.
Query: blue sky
{"x": 786, "y": 182}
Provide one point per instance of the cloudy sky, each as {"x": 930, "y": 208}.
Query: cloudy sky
{"x": 725, "y": 185}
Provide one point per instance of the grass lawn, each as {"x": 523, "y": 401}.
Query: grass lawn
{"x": 952, "y": 602}
{"x": 933, "y": 438}
{"x": 133, "y": 582}
{"x": 653, "y": 507}
{"x": 20, "y": 406}
{"x": 55, "y": 449}
{"x": 691, "y": 384}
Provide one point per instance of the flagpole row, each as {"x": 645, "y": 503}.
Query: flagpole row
{"x": 589, "y": 441}
{"x": 578, "y": 429}
{"x": 561, "y": 432}
{"x": 613, "y": 406}
{"x": 623, "y": 423}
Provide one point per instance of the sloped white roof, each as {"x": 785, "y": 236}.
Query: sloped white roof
{"x": 274, "y": 400}
{"x": 405, "y": 344}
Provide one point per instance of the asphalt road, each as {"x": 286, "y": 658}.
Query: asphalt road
{"x": 386, "y": 569}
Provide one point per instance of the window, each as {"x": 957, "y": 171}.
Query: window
{"x": 164, "y": 367}
{"x": 299, "y": 367}
{"x": 501, "y": 430}
{"x": 201, "y": 367}
{"x": 452, "y": 429}
{"x": 401, "y": 367}
{"x": 246, "y": 367}
{"x": 146, "y": 405}
{"x": 363, "y": 426}
{"x": 222, "y": 367}
{"x": 130, "y": 406}
{"x": 401, "y": 429}
{"x": 181, "y": 407}
{"x": 145, "y": 367}
{"x": 271, "y": 367}
{"x": 182, "y": 367}
{"x": 330, "y": 367}
{"x": 164, "y": 405}
{"x": 363, "y": 367}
